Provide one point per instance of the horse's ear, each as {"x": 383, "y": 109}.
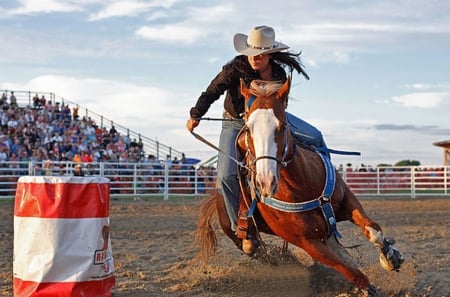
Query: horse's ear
{"x": 283, "y": 92}
{"x": 285, "y": 88}
{"x": 244, "y": 90}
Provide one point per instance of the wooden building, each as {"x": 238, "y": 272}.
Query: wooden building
{"x": 446, "y": 146}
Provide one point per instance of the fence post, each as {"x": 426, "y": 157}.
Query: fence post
{"x": 413, "y": 182}
{"x": 378, "y": 181}
{"x": 446, "y": 177}
{"x": 195, "y": 182}
{"x": 166, "y": 180}
{"x": 135, "y": 180}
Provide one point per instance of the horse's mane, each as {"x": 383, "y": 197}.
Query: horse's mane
{"x": 264, "y": 88}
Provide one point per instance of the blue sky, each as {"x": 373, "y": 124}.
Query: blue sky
{"x": 380, "y": 70}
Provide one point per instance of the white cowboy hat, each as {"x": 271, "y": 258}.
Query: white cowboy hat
{"x": 260, "y": 41}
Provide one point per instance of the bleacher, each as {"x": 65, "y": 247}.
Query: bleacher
{"x": 26, "y": 100}
{"x": 42, "y": 134}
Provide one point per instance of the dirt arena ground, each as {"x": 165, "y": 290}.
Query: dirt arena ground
{"x": 154, "y": 251}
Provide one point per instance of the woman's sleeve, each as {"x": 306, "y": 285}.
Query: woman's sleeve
{"x": 216, "y": 88}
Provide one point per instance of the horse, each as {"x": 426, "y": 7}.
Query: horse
{"x": 289, "y": 191}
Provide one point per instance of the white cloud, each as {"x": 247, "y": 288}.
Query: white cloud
{"x": 427, "y": 86}
{"x": 171, "y": 33}
{"x": 130, "y": 8}
{"x": 422, "y": 100}
{"x": 112, "y": 98}
{"x": 46, "y": 6}
{"x": 212, "y": 13}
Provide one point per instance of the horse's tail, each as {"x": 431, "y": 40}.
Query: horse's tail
{"x": 206, "y": 237}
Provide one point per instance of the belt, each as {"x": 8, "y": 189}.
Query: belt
{"x": 228, "y": 116}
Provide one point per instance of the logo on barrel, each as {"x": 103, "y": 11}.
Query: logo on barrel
{"x": 102, "y": 255}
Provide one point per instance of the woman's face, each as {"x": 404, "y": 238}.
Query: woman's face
{"x": 259, "y": 63}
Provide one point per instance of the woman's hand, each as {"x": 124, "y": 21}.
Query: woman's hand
{"x": 191, "y": 124}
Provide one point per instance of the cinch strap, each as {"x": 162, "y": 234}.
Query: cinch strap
{"x": 330, "y": 179}
{"x": 328, "y": 213}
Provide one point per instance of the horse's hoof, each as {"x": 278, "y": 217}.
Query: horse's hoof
{"x": 391, "y": 259}
{"x": 249, "y": 246}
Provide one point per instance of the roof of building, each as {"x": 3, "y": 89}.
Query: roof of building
{"x": 445, "y": 143}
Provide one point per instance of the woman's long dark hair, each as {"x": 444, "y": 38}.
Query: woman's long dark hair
{"x": 291, "y": 61}
{"x": 288, "y": 60}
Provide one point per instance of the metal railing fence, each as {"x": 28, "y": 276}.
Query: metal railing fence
{"x": 160, "y": 179}
{"x": 156, "y": 179}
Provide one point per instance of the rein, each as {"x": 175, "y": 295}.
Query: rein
{"x": 205, "y": 141}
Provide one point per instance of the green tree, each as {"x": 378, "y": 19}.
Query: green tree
{"x": 407, "y": 163}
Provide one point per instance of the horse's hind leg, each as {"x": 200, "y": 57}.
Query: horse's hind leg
{"x": 390, "y": 257}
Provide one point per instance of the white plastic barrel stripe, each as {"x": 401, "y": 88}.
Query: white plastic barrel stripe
{"x": 61, "y": 237}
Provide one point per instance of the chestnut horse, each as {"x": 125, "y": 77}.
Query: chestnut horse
{"x": 290, "y": 191}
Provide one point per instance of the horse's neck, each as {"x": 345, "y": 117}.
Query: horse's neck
{"x": 304, "y": 175}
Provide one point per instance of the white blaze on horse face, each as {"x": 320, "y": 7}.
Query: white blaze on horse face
{"x": 263, "y": 124}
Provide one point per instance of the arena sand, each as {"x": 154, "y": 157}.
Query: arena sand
{"x": 155, "y": 255}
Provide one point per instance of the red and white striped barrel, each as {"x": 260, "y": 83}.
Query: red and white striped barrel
{"x": 62, "y": 244}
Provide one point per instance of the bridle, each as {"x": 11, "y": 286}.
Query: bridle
{"x": 286, "y": 158}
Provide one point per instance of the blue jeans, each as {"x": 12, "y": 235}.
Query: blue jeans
{"x": 306, "y": 134}
{"x": 227, "y": 169}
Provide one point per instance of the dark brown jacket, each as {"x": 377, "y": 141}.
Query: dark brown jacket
{"x": 229, "y": 80}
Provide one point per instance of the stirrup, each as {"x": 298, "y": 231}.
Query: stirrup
{"x": 242, "y": 225}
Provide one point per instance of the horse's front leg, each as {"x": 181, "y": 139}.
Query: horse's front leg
{"x": 320, "y": 251}
{"x": 390, "y": 257}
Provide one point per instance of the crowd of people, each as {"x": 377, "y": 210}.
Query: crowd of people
{"x": 55, "y": 140}
{"x": 47, "y": 132}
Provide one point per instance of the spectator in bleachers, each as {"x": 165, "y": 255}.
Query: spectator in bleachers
{"x": 76, "y": 158}
{"x": 78, "y": 170}
{"x": 13, "y": 101}
{"x": 87, "y": 157}
{"x": 133, "y": 144}
{"x": 113, "y": 131}
{"x": 56, "y": 138}
{"x": 36, "y": 102}
{"x": 16, "y": 146}
{"x": 29, "y": 116}
{"x": 75, "y": 113}
{"x": 48, "y": 167}
{"x": 12, "y": 124}
{"x": 43, "y": 101}
{"x": 3, "y": 156}
{"x": 56, "y": 112}
{"x": 24, "y": 158}
{"x": 3, "y": 99}
{"x": 3, "y": 120}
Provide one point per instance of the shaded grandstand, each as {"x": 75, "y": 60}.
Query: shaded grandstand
{"x": 44, "y": 124}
